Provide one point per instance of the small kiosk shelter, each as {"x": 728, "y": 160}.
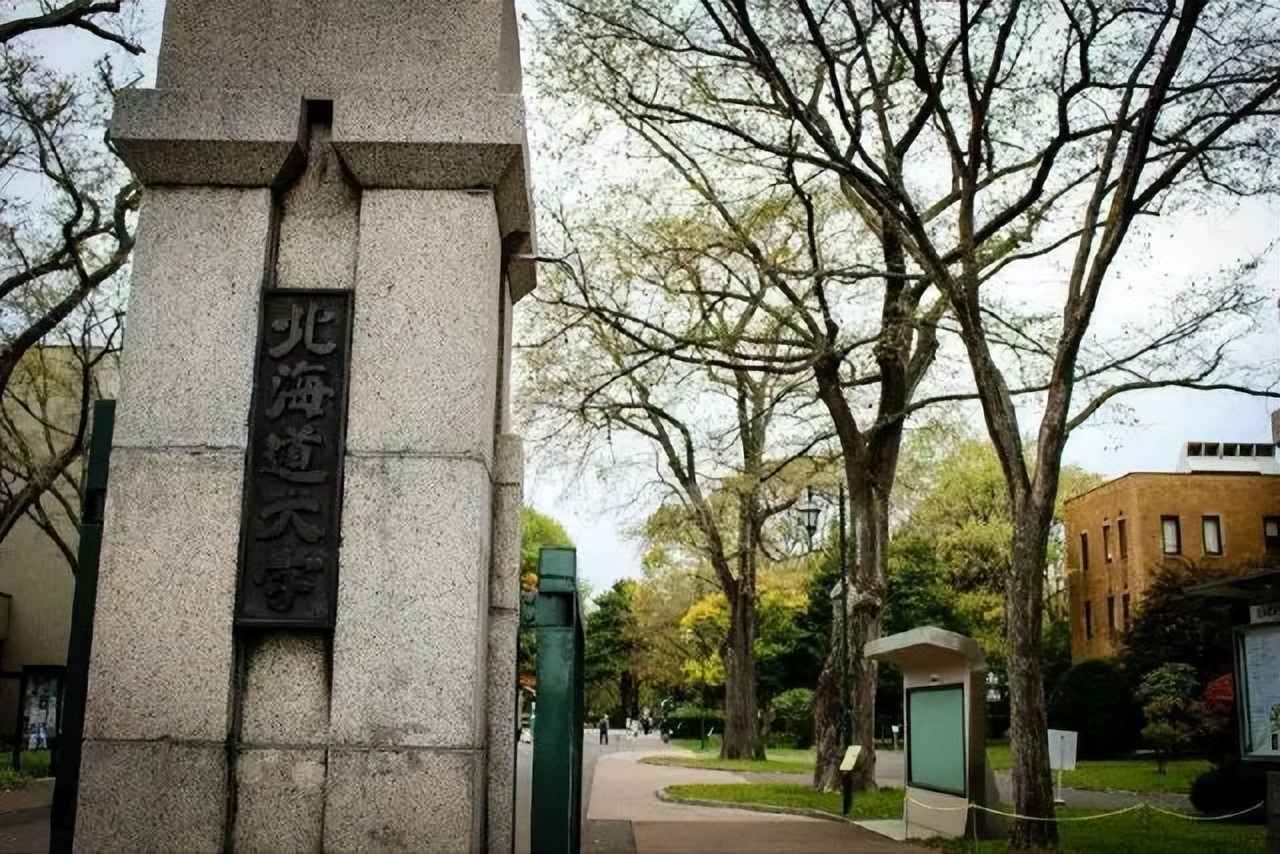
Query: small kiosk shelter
{"x": 944, "y": 680}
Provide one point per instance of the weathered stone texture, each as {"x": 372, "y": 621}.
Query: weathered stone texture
{"x": 286, "y": 690}
{"x": 411, "y": 801}
{"x": 321, "y": 48}
{"x": 161, "y": 662}
{"x": 504, "y": 574}
{"x": 503, "y": 627}
{"x": 279, "y": 801}
{"x": 152, "y": 797}
{"x": 425, "y": 343}
{"x": 216, "y": 137}
{"x": 187, "y": 372}
{"x": 319, "y": 222}
{"x": 408, "y": 647}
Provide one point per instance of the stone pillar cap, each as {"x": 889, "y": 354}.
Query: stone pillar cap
{"x": 925, "y": 646}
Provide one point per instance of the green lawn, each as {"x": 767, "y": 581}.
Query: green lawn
{"x": 714, "y": 763}
{"x": 1128, "y": 775}
{"x": 886, "y": 803}
{"x": 780, "y": 760}
{"x": 34, "y": 764}
{"x": 1139, "y": 832}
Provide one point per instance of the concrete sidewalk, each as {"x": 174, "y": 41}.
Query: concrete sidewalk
{"x": 24, "y": 818}
{"x": 625, "y": 816}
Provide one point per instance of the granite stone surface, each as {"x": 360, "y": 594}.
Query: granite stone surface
{"x": 410, "y": 638}
{"x": 285, "y": 699}
{"x": 319, "y": 48}
{"x": 319, "y": 222}
{"x": 155, "y": 796}
{"x": 405, "y": 800}
{"x": 503, "y": 627}
{"x": 279, "y": 802}
{"x": 247, "y": 137}
{"x": 426, "y": 337}
{"x": 161, "y": 665}
{"x": 187, "y": 372}
{"x": 508, "y": 498}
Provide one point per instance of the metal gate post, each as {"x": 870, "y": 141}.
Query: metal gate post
{"x": 556, "y": 820}
{"x": 62, "y": 818}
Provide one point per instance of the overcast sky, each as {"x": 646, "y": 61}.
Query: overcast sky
{"x": 1147, "y": 437}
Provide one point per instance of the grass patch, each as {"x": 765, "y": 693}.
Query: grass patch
{"x": 779, "y": 761}
{"x": 33, "y": 764}
{"x": 886, "y": 803}
{"x": 714, "y": 763}
{"x": 1139, "y": 832}
{"x": 1128, "y": 775}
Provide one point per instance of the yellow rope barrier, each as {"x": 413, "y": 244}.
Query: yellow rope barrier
{"x": 1143, "y": 805}
{"x": 1258, "y": 805}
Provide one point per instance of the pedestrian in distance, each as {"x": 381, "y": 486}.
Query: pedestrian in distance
{"x": 604, "y": 729}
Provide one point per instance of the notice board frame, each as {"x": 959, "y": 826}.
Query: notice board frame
{"x": 912, "y": 739}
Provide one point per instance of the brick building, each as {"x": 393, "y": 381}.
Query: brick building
{"x": 1220, "y": 509}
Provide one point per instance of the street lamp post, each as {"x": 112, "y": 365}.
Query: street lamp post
{"x": 841, "y": 592}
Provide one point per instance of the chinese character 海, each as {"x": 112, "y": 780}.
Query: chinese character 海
{"x": 286, "y": 513}
{"x": 289, "y": 457}
{"x": 298, "y": 331}
{"x": 306, "y": 393}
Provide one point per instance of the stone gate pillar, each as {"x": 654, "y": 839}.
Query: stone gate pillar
{"x": 308, "y": 602}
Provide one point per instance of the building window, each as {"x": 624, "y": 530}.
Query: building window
{"x": 1172, "y": 535}
{"x": 1088, "y": 620}
{"x": 1271, "y": 535}
{"x": 1124, "y": 610}
{"x": 1111, "y": 614}
{"x": 1084, "y": 552}
{"x": 1106, "y": 543}
{"x": 1123, "y": 536}
{"x": 1211, "y": 530}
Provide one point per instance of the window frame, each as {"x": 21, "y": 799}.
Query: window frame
{"x": 1270, "y": 544}
{"x": 1111, "y": 614}
{"x": 1122, "y": 538}
{"x": 1106, "y": 543}
{"x": 1125, "y": 613}
{"x": 1205, "y": 520}
{"x": 1177, "y": 533}
{"x": 1088, "y": 620}
{"x": 1084, "y": 551}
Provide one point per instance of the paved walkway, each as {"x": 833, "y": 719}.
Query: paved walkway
{"x": 24, "y": 819}
{"x": 625, "y": 816}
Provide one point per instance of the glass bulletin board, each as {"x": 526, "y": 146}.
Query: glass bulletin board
{"x": 936, "y": 739}
{"x": 1258, "y": 690}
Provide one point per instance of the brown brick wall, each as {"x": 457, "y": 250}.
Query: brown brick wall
{"x": 1240, "y": 501}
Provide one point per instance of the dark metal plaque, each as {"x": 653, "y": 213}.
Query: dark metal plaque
{"x": 289, "y": 534}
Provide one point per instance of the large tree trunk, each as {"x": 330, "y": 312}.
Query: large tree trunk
{"x": 1032, "y": 782}
{"x": 826, "y": 721}
{"x": 866, "y": 558}
{"x": 871, "y": 526}
{"x": 741, "y": 710}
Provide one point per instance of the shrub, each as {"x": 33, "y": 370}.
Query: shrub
{"x": 1229, "y": 788}
{"x": 793, "y": 716}
{"x": 685, "y": 722}
{"x": 1171, "y": 713}
{"x": 1094, "y": 699}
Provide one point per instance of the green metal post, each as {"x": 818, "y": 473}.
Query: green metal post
{"x": 556, "y": 821}
{"x": 62, "y": 816}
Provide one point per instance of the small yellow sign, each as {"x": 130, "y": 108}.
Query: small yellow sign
{"x": 851, "y": 756}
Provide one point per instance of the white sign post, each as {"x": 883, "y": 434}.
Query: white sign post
{"x": 895, "y": 728}
{"x": 1062, "y": 755}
